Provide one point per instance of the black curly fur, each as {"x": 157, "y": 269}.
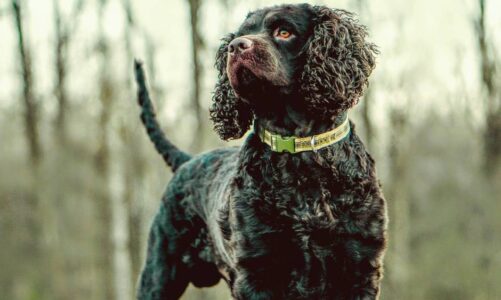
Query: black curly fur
{"x": 338, "y": 63}
{"x": 231, "y": 116}
{"x": 274, "y": 225}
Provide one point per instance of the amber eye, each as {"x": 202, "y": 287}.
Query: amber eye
{"x": 282, "y": 33}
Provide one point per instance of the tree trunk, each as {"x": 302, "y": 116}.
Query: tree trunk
{"x": 36, "y": 227}
{"x": 399, "y": 208}
{"x": 492, "y": 133}
{"x": 64, "y": 31}
{"x": 196, "y": 48}
{"x": 366, "y": 118}
{"x": 133, "y": 164}
{"x": 60, "y": 89}
{"x": 104, "y": 260}
{"x": 366, "y": 103}
{"x": 30, "y": 105}
{"x": 123, "y": 283}
{"x": 102, "y": 163}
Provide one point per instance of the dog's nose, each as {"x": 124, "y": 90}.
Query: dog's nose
{"x": 239, "y": 45}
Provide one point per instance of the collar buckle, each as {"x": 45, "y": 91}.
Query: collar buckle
{"x": 283, "y": 144}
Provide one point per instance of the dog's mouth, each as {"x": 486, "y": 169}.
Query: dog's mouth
{"x": 243, "y": 76}
{"x": 250, "y": 72}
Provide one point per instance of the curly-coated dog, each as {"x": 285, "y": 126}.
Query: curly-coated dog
{"x": 296, "y": 212}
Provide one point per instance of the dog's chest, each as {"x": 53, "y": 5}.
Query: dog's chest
{"x": 284, "y": 206}
{"x": 292, "y": 191}
{"x": 290, "y": 217}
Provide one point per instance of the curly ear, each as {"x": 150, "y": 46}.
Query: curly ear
{"x": 231, "y": 116}
{"x": 338, "y": 62}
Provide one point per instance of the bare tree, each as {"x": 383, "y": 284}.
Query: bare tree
{"x": 102, "y": 162}
{"x": 31, "y": 117}
{"x": 116, "y": 268}
{"x": 122, "y": 277}
{"x": 133, "y": 163}
{"x": 399, "y": 210}
{"x": 492, "y": 134}
{"x": 370, "y": 132}
{"x": 196, "y": 48}
{"x": 34, "y": 208}
{"x": 64, "y": 30}
{"x": 367, "y": 101}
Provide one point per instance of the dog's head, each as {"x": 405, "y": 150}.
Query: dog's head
{"x": 313, "y": 52}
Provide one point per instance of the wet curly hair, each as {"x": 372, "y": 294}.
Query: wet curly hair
{"x": 231, "y": 116}
{"x": 274, "y": 225}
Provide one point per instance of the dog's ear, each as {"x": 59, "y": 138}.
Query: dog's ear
{"x": 231, "y": 116}
{"x": 339, "y": 61}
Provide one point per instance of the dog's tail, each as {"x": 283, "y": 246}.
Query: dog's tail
{"x": 170, "y": 153}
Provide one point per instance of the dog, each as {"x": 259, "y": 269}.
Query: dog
{"x": 297, "y": 211}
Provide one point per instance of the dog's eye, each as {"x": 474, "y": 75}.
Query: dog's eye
{"x": 282, "y": 33}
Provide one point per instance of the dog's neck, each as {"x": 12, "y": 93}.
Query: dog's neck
{"x": 288, "y": 120}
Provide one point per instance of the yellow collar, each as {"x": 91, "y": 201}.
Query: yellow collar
{"x": 294, "y": 144}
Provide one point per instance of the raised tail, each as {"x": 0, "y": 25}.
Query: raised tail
{"x": 171, "y": 154}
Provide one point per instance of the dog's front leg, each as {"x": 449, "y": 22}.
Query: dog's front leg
{"x": 248, "y": 288}
{"x": 164, "y": 276}
{"x": 367, "y": 285}
{"x": 364, "y": 265}
{"x": 263, "y": 266}
{"x": 259, "y": 279}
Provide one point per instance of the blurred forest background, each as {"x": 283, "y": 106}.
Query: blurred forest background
{"x": 80, "y": 181}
